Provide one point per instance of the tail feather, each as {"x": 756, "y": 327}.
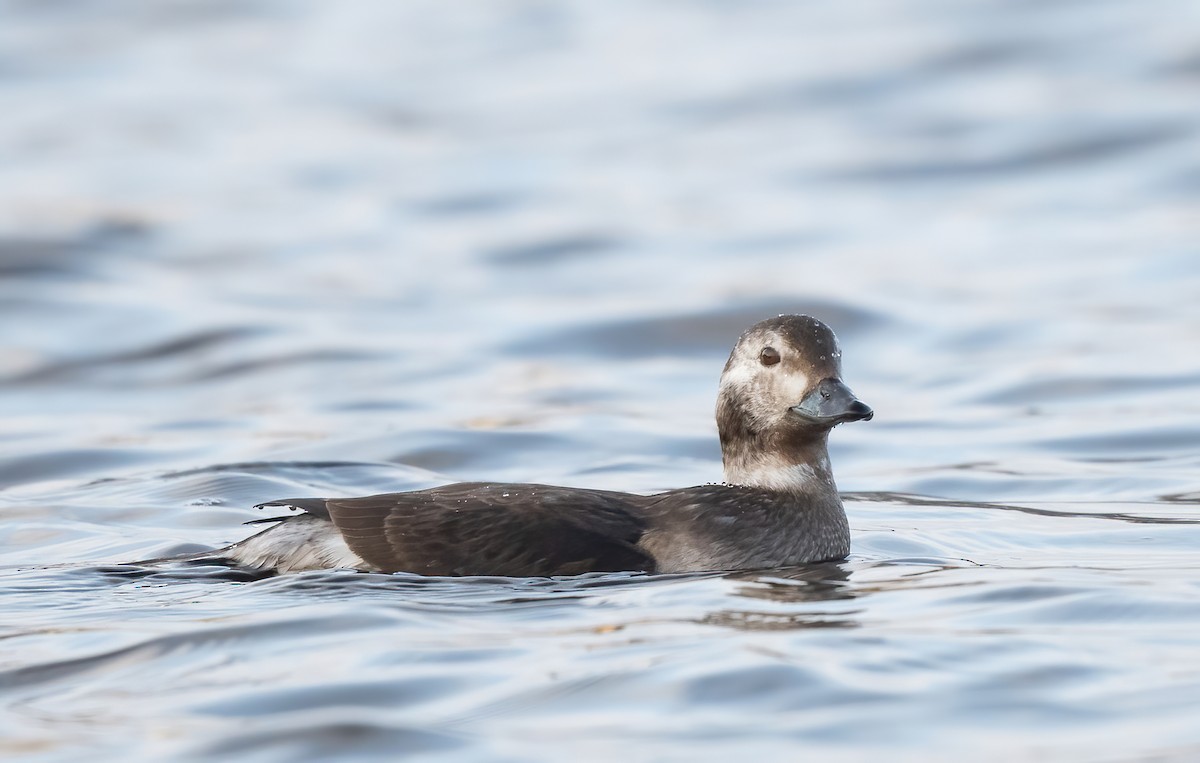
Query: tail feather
{"x": 300, "y": 541}
{"x": 216, "y": 556}
{"x": 314, "y": 506}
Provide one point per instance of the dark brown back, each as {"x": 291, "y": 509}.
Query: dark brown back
{"x": 492, "y": 529}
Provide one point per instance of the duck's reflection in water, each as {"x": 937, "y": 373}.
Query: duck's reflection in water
{"x": 812, "y": 584}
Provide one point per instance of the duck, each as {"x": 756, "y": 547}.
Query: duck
{"x": 780, "y": 395}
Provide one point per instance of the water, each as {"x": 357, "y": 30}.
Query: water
{"x": 257, "y": 249}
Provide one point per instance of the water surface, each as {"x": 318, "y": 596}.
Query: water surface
{"x": 258, "y": 249}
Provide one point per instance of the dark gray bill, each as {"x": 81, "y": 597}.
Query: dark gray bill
{"x": 832, "y": 403}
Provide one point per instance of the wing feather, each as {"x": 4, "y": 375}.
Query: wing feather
{"x": 490, "y": 529}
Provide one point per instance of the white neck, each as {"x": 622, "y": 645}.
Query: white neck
{"x": 776, "y": 473}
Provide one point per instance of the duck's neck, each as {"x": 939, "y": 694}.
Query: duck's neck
{"x": 759, "y": 452}
{"x": 799, "y": 468}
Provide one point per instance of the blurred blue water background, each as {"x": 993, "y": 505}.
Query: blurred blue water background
{"x": 251, "y": 249}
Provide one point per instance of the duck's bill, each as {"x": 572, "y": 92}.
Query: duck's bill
{"x": 832, "y": 403}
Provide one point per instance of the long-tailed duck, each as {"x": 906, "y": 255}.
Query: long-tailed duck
{"x": 780, "y": 394}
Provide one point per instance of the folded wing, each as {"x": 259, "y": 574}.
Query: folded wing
{"x": 490, "y": 529}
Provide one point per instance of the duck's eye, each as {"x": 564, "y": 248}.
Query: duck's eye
{"x": 769, "y": 356}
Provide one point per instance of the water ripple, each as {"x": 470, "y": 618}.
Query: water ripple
{"x": 251, "y": 250}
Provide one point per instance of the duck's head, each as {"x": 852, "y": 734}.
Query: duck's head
{"x": 782, "y": 386}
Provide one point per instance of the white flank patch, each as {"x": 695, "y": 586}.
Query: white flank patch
{"x": 295, "y": 545}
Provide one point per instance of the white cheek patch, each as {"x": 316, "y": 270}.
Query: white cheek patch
{"x": 793, "y": 387}
{"x": 740, "y": 375}
{"x": 737, "y": 380}
{"x": 765, "y": 390}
